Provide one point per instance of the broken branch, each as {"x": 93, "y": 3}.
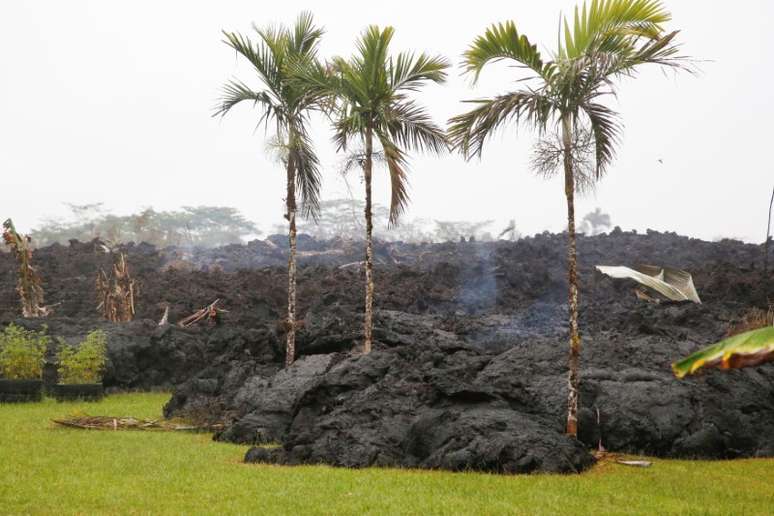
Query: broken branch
{"x": 210, "y": 313}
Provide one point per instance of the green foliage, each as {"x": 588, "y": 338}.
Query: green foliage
{"x": 205, "y": 226}
{"x": 370, "y": 98}
{"x": 744, "y": 350}
{"x": 277, "y": 56}
{"x": 22, "y": 352}
{"x": 608, "y": 39}
{"x": 604, "y": 25}
{"x": 84, "y": 363}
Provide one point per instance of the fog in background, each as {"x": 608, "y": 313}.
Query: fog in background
{"x": 111, "y": 102}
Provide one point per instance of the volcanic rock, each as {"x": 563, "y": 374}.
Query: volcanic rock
{"x": 468, "y": 370}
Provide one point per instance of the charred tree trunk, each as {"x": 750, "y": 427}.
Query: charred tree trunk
{"x": 29, "y": 286}
{"x": 115, "y": 292}
{"x": 573, "y": 377}
{"x": 290, "y": 345}
{"x": 369, "y": 265}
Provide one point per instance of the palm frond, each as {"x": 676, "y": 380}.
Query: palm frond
{"x": 396, "y": 165}
{"x": 307, "y": 172}
{"x": 261, "y": 57}
{"x": 305, "y": 36}
{"x": 318, "y": 81}
{"x": 606, "y": 25}
{"x": 235, "y": 92}
{"x": 356, "y": 160}
{"x": 661, "y": 51}
{"x": 410, "y": 72}
{"x": 347, "y": 125}
{"x": 367, "y": 72}
{"x": 605, "y": 127}
{"x": 411, "y": 126}
{"x": 469, "y": 131}
{"x": 503, "y": 41}
{"x": 276, "y": 40}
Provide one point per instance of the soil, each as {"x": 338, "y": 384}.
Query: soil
{"x": 469, "y": 364}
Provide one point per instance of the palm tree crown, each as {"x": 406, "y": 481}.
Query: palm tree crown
{"x": 369, "y": 96}
{"x": 277, "y": 56}
{"x": 607, "y": 39}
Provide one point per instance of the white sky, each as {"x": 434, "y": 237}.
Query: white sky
{"x": 109, "y": 101}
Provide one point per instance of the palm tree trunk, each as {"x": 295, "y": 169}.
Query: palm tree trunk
{"x": 768, "y": 238}
{"x": 290, "y": 346}
{"x": 369, "y": 263}
{"x": 573, "y": 378}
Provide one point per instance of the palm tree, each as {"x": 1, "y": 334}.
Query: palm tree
{"x": 276, "y": 58}
{"x": 607, "y": 40}
{"x": 369, "y": 98}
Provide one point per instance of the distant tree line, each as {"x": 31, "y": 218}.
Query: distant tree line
{"x": 190, "y": 226}
{"x": 212, "y": 226}
{"x": 343, "y": 218}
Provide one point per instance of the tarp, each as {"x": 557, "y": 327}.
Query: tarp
{"x": 674, "y": 284}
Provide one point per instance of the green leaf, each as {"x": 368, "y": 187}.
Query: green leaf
{"x": 612, "y": 25}
{"x": 503, "y": 41}
{"x": 744, "y": 350}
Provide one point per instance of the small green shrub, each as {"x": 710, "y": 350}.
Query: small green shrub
{"x": 84, "y": 363}
{"x": 22, "y": 352}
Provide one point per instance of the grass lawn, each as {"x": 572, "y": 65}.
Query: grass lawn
{"x": 50, "y": 470}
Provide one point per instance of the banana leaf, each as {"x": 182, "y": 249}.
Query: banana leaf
{"x": 674, "y": 284}
{"x": 744, "y": 350}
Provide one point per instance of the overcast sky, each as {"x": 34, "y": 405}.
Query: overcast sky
{"x": 111, "y": 102}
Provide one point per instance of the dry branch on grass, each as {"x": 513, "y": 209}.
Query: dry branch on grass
{"x": 86, "y": 422}
{"x": 606, "y": 457}
{"x": 208, "y": 313}
{"x": 30, "y": 287}
{"x": 115, "y": 292}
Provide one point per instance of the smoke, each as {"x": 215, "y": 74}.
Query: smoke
{"x": 595, "y": 223}
{"x": 478, "y": 288}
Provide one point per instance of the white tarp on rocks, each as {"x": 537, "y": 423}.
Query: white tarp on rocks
{"x": 674, "y": 284}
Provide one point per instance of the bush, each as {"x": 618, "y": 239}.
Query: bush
{"x": 84, "y": 363}
{"x": 22, "y": 352}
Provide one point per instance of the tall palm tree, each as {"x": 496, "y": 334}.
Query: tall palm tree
{"x": 277, "y": 56}
{"x": 606, "y": 40}
{"x": 369, "y": 97}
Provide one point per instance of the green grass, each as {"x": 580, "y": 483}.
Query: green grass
{"x": 50, "y": 470}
